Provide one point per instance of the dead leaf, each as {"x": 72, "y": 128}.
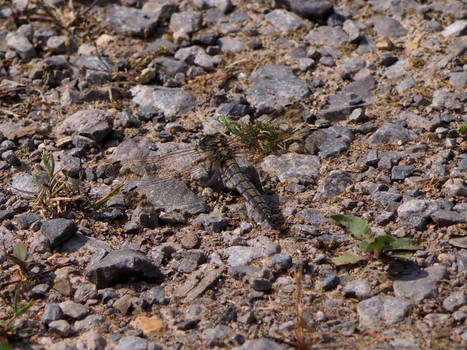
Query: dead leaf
{"x": 149, "y": 326}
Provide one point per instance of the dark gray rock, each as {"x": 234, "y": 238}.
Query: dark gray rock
{"x": 353, "y": 65}
{"x": 400, "y": 172}
{"x": 6, "y": 214}
{"x": 52, "y": 312}
{"x": 259, "y": 344}
{"x": 310, "y": 9}
{"x": 389, "y": 27}
{"x": 275, "y": 86}
{"x": 39, "y": 291}
{"x": 382, "y": 309}
{"x": 261, "y": 284}
{"x": 334, "y": 184}
{"x": 170, "y": 195}
{"x": 186, "y": 22}
{"x": 454, "y": 301}
{"x": 281, "y": 262}
{"x": 445, "y": 217}
{"x": 155, "y": 295}
{"x": 338, "y": 140}
{"x": 327, "y": 61}
{"x": 130, "y": 21}
{"x": 330, "y": 282}
{"x": 173, "y": 102}
{"x": 327, "y": 36}
{"x": 213, "y": 222}
{"x": 312, "y": 217}
{"x": 357, "y": 289}
{"x": 122, "y": 265}
{"x": 389, "y": 200}
{"x": 418, "y": 285}
{"x": 336, "y": 113}
{"x": 21, "y": 45}
{"x": 235, "y": 110}
{"x": 90, "y": 322}
{"x": 92, "y": 123}
{"x": 391, "y": 132}
{"x": 190, "y": 260}
{"x": 58, "y": 231}
{"x": 387, "y": 59}
{"x": 284, "y": 20}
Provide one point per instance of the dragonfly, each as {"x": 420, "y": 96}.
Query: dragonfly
{"x": 217, "y": 149}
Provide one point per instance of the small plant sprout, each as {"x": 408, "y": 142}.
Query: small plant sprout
{"x": 377, "y": 246}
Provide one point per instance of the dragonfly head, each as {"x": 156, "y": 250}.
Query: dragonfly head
{"x": 215, "y": 144}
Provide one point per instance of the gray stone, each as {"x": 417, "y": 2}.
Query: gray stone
{"x": 455, "y": 187}
{"x": 90, "y": 322}
{"x": 389, "y": 27}
{"x": 6, "y": 214}
{"x": 312, "y": 217}
{"x": 405, "y": 85}
{"x": 334, "y": 184}
{"x": 284, "y": 20}
{"x": 94, "y": 341}
{"x": 400, "y": 172}
{"x": 52, "y": 312}
{"x": 259, "y": 247}
{"x": 458, "y": 28}
{"x": 338, "y": 140}
{"x": 310, "y": 9}
{"x": 122, "y": 265}
{"x": 393, "y": 133}
{"x": 217, "y": 335}
{"x": 418, "y": 285}
{"x": 61, "y": 44}
{"x": 93, "y": 123}
{"x": 190, "y": 260}
{"x": 74, "y": 310}
{"x": 417, "y": 212}
{"x": 155, "y": 295}
{"x": 130, "y": 21}
{"x": 281, "y": 262}
{"x": 230, "y": 45}
{"x": 357, "y": 289}
{"x": 403, "y": 343}
{"x": 458, "y": 80}
{"x": 290, "y": 166}
{"x": 212, "y": 222}
{"x": 353, "y": 29}
{"x": 445, "y": 217}
{"x": 131, "y": 342}
{"x": 62, "y": 328}
{"x": 21, "y": 45}
{"x": 160, "y": 8}
{"x": 327, "y": 36}
{"x": 387, "y": 59}
{"x": 396, "y": 70}
{"x": 382, "y": 309}
{"x": 170, "y": 194}
{"x": 454, "y": 301}
{"x": 124, "y": 304}
{"x": 389, "y": 200}
{"x": 336, "y": 113}
{"x": 329, "y": 282}
{"x": 58, "y": 231}
{"x": 259, "y": 344}
{"x": 275, "y": 86}
{"x": 327, "y": 61}
{"x": 24, "y": 185}
{"x": 353, "y": 65}
{"x": 186, "y": 22}
{"x": 173, "y": 102}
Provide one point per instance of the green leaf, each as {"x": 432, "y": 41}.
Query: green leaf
{"x": 20, "y": 251}
{"x": 379, "y": 243}
{"x": 346, "y": 259}
{"x": 402, "y": 244}
{"x": 4, "y": 344}
{"x": 24, "y": 308}
{"x": 15, "y": 301}
{"x": 404, "y": 255}
{"x": 354, "y": 225}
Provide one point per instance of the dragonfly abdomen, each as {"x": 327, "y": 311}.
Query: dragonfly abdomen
{"x": 245, "y": 187}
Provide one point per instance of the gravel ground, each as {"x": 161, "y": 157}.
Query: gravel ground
{"x": 175, "y": 264}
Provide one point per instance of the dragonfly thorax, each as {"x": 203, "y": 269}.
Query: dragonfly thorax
{"x": 216, "y": 146}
